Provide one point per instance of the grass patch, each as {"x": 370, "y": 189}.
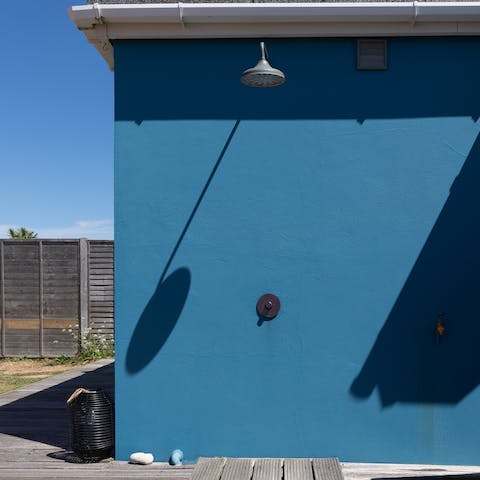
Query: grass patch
{"x": 20, "y": 371}
{"x": 12, "y": 382}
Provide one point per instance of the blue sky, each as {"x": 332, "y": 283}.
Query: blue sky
{"x": 56, "y": 124}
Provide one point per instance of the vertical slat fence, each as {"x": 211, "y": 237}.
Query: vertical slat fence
{"x": 50, "y": 292}
{"x": 2, "y": 302}
{"x": 40, "y": 295}
{"x": 61, "y": 298}
{"x": 22, "y": 298}
{"x": 101, "y": 306}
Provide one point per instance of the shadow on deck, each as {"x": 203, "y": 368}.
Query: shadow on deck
{"x": 39, "y": 412}
{"x": 34, "y": 422}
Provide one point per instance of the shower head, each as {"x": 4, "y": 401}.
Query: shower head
{"x": 263, "y": 74}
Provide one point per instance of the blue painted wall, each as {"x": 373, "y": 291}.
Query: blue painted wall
{"x": 351, "y": 195}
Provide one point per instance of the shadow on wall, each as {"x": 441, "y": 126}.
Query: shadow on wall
{"x": 409, "y": 361}
{"x": 164, "y": 308}
{"x": 322, "y": 80}
{"x": 158, "y": 319}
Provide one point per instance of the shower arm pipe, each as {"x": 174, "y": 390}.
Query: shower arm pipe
{"x": 104, "y": 23}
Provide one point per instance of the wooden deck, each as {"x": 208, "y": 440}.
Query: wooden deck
{"x": 34, "y": 432}
{"x": 267, "y": 469}
{"x": 323, "y": 469}
{"x": 34, "y": 427}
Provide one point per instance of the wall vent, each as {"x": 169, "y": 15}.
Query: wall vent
{"x": 371, "y": 54}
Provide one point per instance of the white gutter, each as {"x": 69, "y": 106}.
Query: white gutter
{"x": 102, "y": 23}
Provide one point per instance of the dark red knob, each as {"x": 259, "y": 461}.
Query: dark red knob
{"x": 268, "y": 306}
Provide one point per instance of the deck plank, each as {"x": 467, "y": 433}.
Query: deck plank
{"x": 237, "y": 469}
{"x": 297, "y": 469}
{"x": 208, "y": 468}
{"x": 268, "y": 469}
{"x": 20, "y": 474}
{"x": 372, "y": 471}
{"x": 327, "y": 469}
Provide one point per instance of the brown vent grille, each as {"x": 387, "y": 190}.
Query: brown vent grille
{"x": 371, "y": 54}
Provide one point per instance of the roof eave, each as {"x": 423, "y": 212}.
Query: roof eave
{"x": 103, "y": 23}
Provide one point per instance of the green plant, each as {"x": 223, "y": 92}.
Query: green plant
{"x": 63, "y": 360}
{"x": 96, "y": 346}
{"x": 93, "y": 346}
{"x": 17, "y": 359}
{"x": 21, "y": 232}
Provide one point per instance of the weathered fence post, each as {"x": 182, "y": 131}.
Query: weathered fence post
{"x": 2, "y": 295}
{"x": 40, "y": 295}
{"x": 83, "y": 326}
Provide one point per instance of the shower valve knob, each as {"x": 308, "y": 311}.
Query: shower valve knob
{"x": 268, "y": 306}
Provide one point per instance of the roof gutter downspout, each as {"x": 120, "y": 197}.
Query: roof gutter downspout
{"x": 415, "y": 13}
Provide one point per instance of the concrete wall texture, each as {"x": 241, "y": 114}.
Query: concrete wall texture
{"x": 351, "y": 195}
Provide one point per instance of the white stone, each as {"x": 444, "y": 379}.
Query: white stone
{"x": 141, "y": 458}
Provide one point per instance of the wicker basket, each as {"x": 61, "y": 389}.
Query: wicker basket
{"x": 92, "y": 424}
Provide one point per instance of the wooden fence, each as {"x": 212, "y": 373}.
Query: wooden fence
{"x": 51, "y": 293}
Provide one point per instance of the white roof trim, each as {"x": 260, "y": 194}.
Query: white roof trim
{"x": 102, "y": 23}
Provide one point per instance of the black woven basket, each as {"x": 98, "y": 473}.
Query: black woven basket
{"x": 92, "y": 426}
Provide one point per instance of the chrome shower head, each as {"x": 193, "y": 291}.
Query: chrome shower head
{"x": 263, "y": 74}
